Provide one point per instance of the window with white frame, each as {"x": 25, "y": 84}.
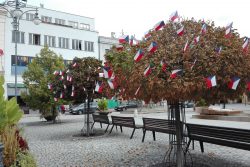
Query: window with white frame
{"x": 50, "y": 41}
{"x": 73, "y": 24}
{"x": 59, "y": 21}
{"x": 46, "y": 19}
{"x": 18, "y": 36}
{"x": 89, "y": 46}
{"x": 30, "y": 16}
{"x": 84, "y": 26}
{"x": 63, "y": 43}
{"x": 76, "y": 44}
{"x": 34, "y": 39}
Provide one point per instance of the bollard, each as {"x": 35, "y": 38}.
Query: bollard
{"x": 1, "y": 155}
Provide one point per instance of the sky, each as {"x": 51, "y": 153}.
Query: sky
{"x": 135, "y": 17}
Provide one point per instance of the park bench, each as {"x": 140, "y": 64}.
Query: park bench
{"x": 124, "y": 122}
{"x": 102, "y": 119}
{"x": 157, "y": 125}
{"x": 231, "y": 137}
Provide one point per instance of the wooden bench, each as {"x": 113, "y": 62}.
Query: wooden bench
{"x": 157, "y": 125}
{"x": 102, "y": 119}
{"x": 124, "y": 122}
{"x": 231, "y": 137}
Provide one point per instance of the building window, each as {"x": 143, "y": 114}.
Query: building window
{"x": 63, "y": 43}
{"x": 34, "y": 39}
{"x": 76, "y": 44}
{"x": 60, "y": 21}
{"x": 89, "y": 46}
{"x": 84, "y": 26}
{"x": 30, "y": 16}
{"x": 46, "y": 19}
{"x": 17, "y": 36}
{"x": 50, "y": 41}
{"x": 73, "y": 24}
{"x": 21, "y": 60}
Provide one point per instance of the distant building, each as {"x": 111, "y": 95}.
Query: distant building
{"x": 105, "y": 43}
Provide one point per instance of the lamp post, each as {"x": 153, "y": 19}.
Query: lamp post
{"x": 13, "y": 8}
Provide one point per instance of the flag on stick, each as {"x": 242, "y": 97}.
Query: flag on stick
{"x": 175, "y": 73}
{"x": 139, "y": 55}
{"x": 153, "y": 47}
{"x": 180, "y": 31}
{"x": 147, "y": 71}
{"x": 124, "y": 39}
{"x": 98, "y": 87}
{"x": 159, "y": 26}
{"x": 234, "y": 83}
{"x": 174, "y": 16}
{"x": 211, "y": 81}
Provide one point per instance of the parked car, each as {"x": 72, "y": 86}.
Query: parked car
{"x": 81, "y": 109}
{"x": 189, "y": 104}
{"x": 126, "y": 106}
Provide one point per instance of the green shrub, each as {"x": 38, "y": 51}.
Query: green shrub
{"x": 201, "y": 103}
{"x": 102, "y": 104}
{"x": 24, "y": 159}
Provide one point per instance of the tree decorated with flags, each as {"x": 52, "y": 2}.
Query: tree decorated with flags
{"x": 38, "y": 78}
{"x": 182, "y": 59}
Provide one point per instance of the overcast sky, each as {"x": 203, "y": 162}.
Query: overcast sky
{"x": 136, "y": 17}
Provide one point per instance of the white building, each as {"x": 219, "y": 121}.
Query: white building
{"x": 66, "y": 34}
{"x": 105, "y": 43}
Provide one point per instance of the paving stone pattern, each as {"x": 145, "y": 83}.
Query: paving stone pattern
{"x": 53, "y": 145}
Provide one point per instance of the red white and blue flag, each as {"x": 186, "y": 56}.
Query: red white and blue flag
{"x": 185, "y": 47}
{"x": 245, "y": 44}
{"x": 163, "y": 65}
{"x": 69, "y": 78}
{"x": 133, "y": 41}
{"x": 234, "y": 83}
{"x": 139, "y": 55}
{"x": 107, "y": 72}
{"x": 56, "y": 72}
{"x": 218, "y": 50}
{"x": 64, "y": 87}
{"x": 98, "y": 87}
{"x": 61, "y": 95}
{"x": 67, "y": 71}
{"x": 61, "y": 72}
{"x": 61, "y": 78}
{"x": 72, "y": 93}
{"x": 203, "y": 29}
{"x": 153, "y": 47}
{"x": 147, "y": 34}
{"x": 180, "y": 31}
{"x": 159, "y": 26}
{"x": 175, "y": 73}
{"x": 50, "y": 86}
{"x": 196, "y": 40}
{"x": 174, "y": 16}
{"x": 228, "y": 33}
{"x": 124, "y": 39}
{"x": 148, "y": 71}
{"x": 229, "y": 25}
{"x": 55, "y": 99}
{"x": 193, "y": 64}
{"x": 101, "y": 75}
{"x": 211, "y": 81}
{"x": 111, "y": 84}
{"x": 119, "y": 47}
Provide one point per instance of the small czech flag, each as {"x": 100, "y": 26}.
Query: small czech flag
{"x": 61, "y": 95}
{"x": 50, "y": 86}
{"x": 98, "y": 87}
{"x": 74, "y": 65}
{"x": 175, "y": 73}
{"x": 234, "y": 83}
{"x": 111, "y": 84}
{"x": 245, "y": 44}
{"x": 138, "y": 55}
{"x": 124, "y": 39}
{"x": 56, "y": 72}
{"x": 107, "y": 72}
{"x": 185, "y": 47}
{"x": 119, "y": 47}
{"x": 153, "y": 47}
{"x": 147, "y": 34}
{"x": 229, "y": 25}
{"x": 196, "y": 40}
{"x": 228, "y": 33}
{"x": 211, "y": 81}
{"x": 203, "y": 29}
{"x": 147, "y": 71}
{"x": 55, "y": 99}
{"x": 72, "y": 93}
{"x": 159, "y": 25}
{"x": 180, "y": 32}
{"x": 174, "y": 16}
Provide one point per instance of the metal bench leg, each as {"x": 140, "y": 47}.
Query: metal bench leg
{"x": 144, "y": 133}
{"x": 132, "y": 134}
{"x": 153, "y": 135}
{"x": 188, "y": 144}
{"x": 92, "y": 125}
{"x": 107, "y": 128}
{"x": 101, "y": 124}
{"x": 193, "y": 144}
{"x": 111, "y": 129}
{"x": 202, "y": 147}
{"x": 121, "y": 128}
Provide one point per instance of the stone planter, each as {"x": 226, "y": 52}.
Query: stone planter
{"x": 199, "y": 109}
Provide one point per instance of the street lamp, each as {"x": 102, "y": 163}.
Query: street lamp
{"x": 13, "y": 7}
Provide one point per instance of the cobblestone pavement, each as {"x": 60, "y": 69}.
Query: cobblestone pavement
{"x": 53, "y": 145}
